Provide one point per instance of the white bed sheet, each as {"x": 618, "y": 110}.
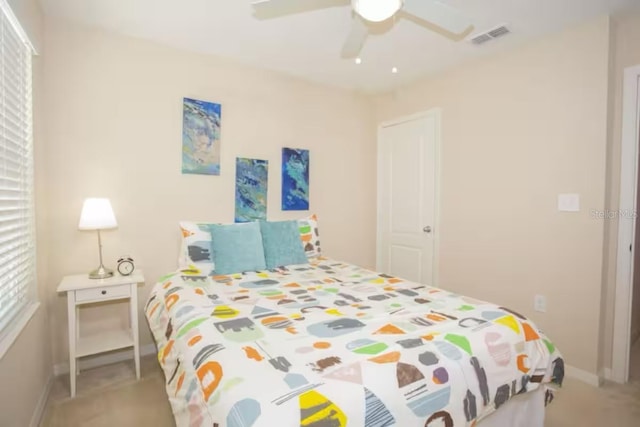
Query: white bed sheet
{"x": 526, "y": 410}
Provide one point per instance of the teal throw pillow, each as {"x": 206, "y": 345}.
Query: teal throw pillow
{"x": 237, "y": 248}
{"x": 282, "y": 244}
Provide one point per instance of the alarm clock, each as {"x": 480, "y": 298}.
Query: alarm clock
{"x": 125, "y": 266}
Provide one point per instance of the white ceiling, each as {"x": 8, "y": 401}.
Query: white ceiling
{"x": 308, "y": 45}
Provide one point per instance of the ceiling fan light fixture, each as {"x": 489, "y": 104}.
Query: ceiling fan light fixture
{"x": 376, "y": 10}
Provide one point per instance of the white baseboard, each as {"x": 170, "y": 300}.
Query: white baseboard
{"x": 582, "y": 375}
{"x": 36, "y": 418}
{"x": 106, "y": 359}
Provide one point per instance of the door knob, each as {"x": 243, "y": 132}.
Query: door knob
{"x": 427, "y": 229}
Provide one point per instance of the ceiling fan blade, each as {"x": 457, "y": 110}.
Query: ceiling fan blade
{"x": 356, "y": 38}
{"x": 439, "y": 14}
{"x": 266, "y": 9}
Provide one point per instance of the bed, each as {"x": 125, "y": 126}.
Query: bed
{"x": 327, "y": 343}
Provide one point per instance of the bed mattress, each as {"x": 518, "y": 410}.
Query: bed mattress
{"x": 333, "y": 344}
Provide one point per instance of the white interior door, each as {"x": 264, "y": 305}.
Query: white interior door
{"x": 626, "y": 225}
{"x": 407, "y": 198}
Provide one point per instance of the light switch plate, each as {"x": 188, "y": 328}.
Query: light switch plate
{"x": 569, "y": 202}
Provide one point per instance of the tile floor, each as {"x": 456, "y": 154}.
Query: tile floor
{"x": 110, "y": 396}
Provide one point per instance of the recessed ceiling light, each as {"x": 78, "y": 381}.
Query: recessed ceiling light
{"x": 394, "y": 70}
{"x": 358, "y": 61}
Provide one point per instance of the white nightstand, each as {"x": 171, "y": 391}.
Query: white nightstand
{"x": 82, "y": 290}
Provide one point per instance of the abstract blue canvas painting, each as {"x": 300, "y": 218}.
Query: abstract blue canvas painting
{"x": 295, "y": 179}
{"x": 251, "y": 189}
{"x": 201, "y": 137}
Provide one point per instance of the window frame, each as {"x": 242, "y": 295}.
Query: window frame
{"x": 11, "y": 332}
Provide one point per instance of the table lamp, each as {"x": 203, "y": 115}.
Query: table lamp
{"x": 97, "y": 214}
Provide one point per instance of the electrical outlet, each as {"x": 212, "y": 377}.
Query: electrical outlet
{"x": 540, "y": 303}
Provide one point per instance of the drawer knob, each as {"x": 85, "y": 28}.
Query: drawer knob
{"x": 104, "y": 292}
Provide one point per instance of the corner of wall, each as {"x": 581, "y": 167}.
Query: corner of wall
{"x": 610, "y": 227}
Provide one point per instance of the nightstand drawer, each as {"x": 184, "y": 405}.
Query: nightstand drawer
{"x": 107, "y": 292}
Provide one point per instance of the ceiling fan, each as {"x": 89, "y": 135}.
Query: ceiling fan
{"x": 432, "y": 12}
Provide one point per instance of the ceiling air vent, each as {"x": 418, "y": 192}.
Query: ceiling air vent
{"x": 493, "y": 33}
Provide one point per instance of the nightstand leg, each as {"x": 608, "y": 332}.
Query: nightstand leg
{"x": 77, "y": 335}
{"x": 134, "y": 327}
{"x": 71, "y": 312}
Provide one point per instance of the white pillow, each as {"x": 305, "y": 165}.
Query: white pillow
{"x": 195, "y": 250}
{"x": 310, "y": 236}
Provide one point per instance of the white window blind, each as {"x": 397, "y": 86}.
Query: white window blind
{"x": 17, "y": 237}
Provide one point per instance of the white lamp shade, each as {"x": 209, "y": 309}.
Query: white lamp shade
{"x": 376, "y": 10}
{"x": 97, "y": 214}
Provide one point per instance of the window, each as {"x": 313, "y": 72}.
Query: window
{"x": 17, "y": 237}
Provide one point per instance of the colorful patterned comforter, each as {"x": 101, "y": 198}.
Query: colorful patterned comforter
{"x": 332, "y": 344}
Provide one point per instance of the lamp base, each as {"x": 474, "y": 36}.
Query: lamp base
{"x": 101, "y": 273}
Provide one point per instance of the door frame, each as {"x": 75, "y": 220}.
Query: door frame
{"x": 626, "y": 225}
{"x": 436, "y": 113}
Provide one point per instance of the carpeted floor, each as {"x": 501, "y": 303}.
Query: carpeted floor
{"x": 110, "y": 396}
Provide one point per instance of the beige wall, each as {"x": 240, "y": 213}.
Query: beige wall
{"x": 625, "y": 38}
{"x": 25, "y": 370}
{"x": 114, "y": 117}
{"x": 518, "y": 129}
{"x": 26, "y": 367}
